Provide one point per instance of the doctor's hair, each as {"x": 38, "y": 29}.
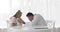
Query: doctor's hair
{"x": 30, "y": 14}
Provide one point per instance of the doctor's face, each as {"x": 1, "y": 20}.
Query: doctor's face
{"x": 30, "y": 18}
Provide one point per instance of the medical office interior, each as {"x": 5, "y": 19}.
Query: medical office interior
{"x": 48, "y": 9}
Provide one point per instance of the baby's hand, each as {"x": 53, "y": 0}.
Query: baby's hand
{"x": 14, "y": 24}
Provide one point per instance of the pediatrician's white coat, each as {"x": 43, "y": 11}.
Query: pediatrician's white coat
{"x": 38, "y": 21}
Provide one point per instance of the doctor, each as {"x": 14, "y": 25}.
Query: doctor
{"x": 37, "y": 19}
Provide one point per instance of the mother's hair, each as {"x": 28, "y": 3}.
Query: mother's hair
{"x": 18, "y": 12}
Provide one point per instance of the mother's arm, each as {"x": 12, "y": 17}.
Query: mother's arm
{"x": 21, "y": 21}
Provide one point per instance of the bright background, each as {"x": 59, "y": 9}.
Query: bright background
{"x": 49, "y": 9}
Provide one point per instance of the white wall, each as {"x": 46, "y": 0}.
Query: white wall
{"x": 57, "y": 4}
{"x": 4, "y": 11}
{"x": 54, "y": 11}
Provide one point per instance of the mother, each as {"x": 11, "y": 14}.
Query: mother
{"x": 16, "y": 19}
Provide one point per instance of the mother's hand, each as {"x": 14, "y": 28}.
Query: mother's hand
{"x": 21, "y": 21}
